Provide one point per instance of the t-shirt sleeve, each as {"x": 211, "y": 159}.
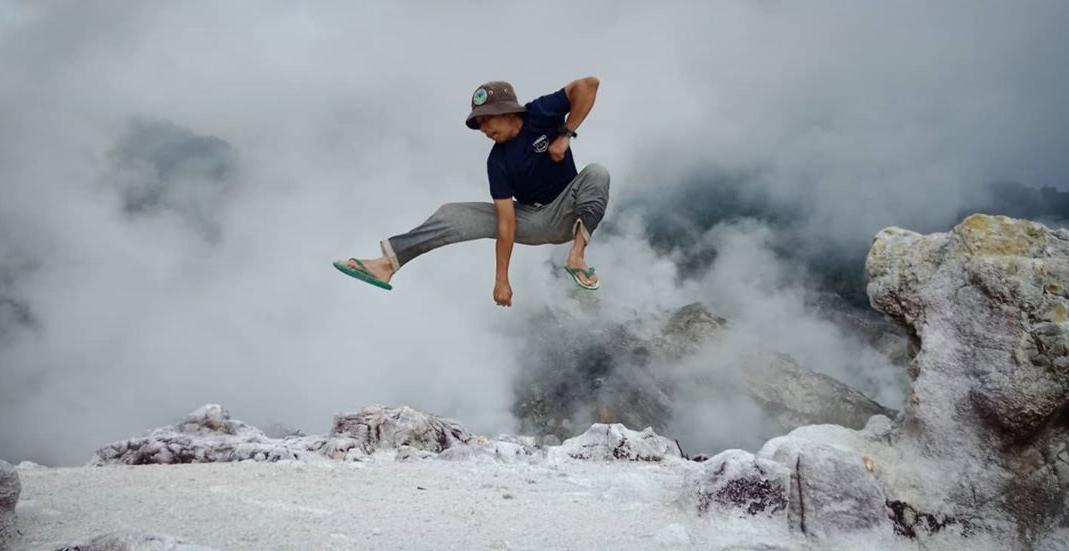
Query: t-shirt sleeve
{"x": 553, "y": 106}
{"x": 500, "y": 186}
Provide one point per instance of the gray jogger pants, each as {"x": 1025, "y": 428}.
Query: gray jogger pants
{"x": 580, "y": 207}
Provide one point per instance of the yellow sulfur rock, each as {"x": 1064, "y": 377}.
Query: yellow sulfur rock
{"x": 986, "y": 235}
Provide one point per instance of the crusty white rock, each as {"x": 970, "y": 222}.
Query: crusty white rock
{"x": 603, "y": 442}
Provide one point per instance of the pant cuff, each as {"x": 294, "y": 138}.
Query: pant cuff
{"x": 387, "y": 251}
{"x": 581, "y": 227}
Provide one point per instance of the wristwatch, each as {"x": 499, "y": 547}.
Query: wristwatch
{"x": 565, "y": 131}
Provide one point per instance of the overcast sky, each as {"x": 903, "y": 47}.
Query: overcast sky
{"x": 176, "y": 178}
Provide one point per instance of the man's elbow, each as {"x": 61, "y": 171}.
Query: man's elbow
{"x": 582, "y": 86}
{"x": 588, "y": 85}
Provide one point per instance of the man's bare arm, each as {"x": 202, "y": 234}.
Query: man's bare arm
{"x": 506, "y": 236}
{"x": 581, "y": 94}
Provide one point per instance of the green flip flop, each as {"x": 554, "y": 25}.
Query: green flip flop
{"x": 587, "y": 272}
{"x": 362, "y": 274}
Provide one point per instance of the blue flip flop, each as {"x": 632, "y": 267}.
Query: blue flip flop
{"x": 587, "y": 272}
{"x": 362, "y": 274}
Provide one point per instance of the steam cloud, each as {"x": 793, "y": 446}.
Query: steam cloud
{"x": 175, "y": 180}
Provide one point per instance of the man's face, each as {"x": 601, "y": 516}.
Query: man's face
{"x": 500, "y": 128}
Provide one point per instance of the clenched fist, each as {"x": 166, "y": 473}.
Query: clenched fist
{"x": 503, "y": 293}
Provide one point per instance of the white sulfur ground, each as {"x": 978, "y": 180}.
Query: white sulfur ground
{"x": 429, "y": 504}
{"x": 384, "y": 504}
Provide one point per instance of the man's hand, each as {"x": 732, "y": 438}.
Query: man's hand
{"x": 558, "y": 148}
{"x": 506, "y": 236}
{"x": 503, "y": 293}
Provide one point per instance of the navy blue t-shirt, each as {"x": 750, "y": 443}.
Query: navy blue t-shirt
{"x": 522, "y": 167}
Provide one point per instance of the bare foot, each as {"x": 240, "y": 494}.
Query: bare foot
{"x": 378, "y": 267}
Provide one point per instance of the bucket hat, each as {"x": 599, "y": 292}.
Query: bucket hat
{"x": 493, "y": 98}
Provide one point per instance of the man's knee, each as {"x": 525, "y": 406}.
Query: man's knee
{"x": 450, "y": 211}
{"x": 598, "y": 175}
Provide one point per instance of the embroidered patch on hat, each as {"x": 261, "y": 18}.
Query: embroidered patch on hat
{"x": 479, "y": 97}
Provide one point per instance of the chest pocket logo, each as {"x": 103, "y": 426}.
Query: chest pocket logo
{"x": 541, "y": 144}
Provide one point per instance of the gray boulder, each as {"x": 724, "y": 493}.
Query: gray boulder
{"x": 615, "y": 442}
{"x": 735, "y": 482}
{"x": 981, "y": 449}
{"x": 505, "y": 450}
{"x": 817, "y": 490}
{"x": 987, "y": 303}
{"x": 377, "y": 427}
{"x": 688, "y": 329}
{"x": 833, "y": 489}
{"x": 10, "y": 488}
{"x": 206, "y": 435}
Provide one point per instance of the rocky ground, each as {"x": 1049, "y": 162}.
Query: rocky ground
{"x": 608, "y": 489}
{"x": 976, "y": 459}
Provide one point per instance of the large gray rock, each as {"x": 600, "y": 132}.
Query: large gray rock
{"x": 689, "y": 328}
{"x": 793, "y": 396}
{"x": 378, "y": 427}
{"x": 817, "y": 490}
{"x": 735, "y": 482}
{"x": 990, "y": 297}
{"x": 602, "y": 442}
{"x": 981, "y": 450}
{"x": 987, "y": 303}
{"x": 206, "y": 435}
{"x": 505, "y": 448}
{"x": 10, "y": 488}
{"x": 833, "y": 489}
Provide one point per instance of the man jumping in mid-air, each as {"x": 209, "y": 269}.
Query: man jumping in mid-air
{"x": 531, "y": 162}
